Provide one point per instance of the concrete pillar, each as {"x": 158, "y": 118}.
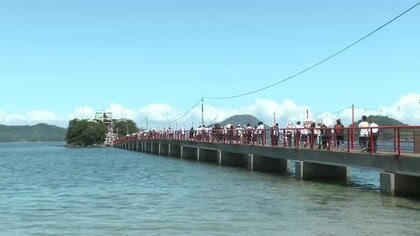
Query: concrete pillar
{"x": 175, "y": 151}
{"x": 387, "y": 183}
{"x": 299, "y": 170}
{"x": 314, "y": 171}
{"x": 190, "y": 153}
{"x": 219, "y": 157}
{"x": 148, "y": 146}
{"x": 155, "y": 148}
{"x": 399, "y": 185}
{"x": 250, "y": 162}
{"x": 207, "y": 155}
{"x": 234, "y": 159}
{"x": 269, "y": 164}
{"x": 164, "y": 149}
{"x": 169, "y": 150}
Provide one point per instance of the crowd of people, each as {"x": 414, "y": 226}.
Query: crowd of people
{"x": 307, "y": 134}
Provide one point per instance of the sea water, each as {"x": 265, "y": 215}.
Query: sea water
{"x": 48, "y": 189}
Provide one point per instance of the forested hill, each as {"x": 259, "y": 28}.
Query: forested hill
{"x": 243, "y": 120}
{"x": 34, "y": 133}
{"x": 383, "y": 121}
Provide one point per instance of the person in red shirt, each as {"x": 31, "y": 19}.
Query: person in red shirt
{"x": 339, "y": 134}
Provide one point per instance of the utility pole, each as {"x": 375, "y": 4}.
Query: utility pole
{"x": 353, "y": 126}
{"x": 202, "y": 111}
{"x": 126, "y": 122}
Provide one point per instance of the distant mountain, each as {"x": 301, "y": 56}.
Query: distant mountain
{"x": 243, "y": 120}
{"x": 35, "y": 133}
{"x": 383, "y": 121}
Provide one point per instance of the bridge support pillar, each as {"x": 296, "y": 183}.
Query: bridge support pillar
{"x": 251, "y": 162}
{"x": 314, "y": 171}
{"x": 399, "y": 185}
{"x": 207, "y": 155}
{"x": 175, "y": 151}
{"x": 190, "y": 153}
{"x": 272, "y": 165}
{"x": 164, "y": 149}
{"x": 233, "y": 159}
{"x": 167, "y": 150}
{"x": 219, "y": 157}
{"x": 147, "y": 147}
{"x": 155, "y": 148}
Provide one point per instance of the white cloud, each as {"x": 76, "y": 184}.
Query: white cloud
{"x": 30, "y": 118}
{"x": 84, "y": 112}
{"x": 40, "y": 115}
{"x": 119, "y": 111}
{"x": 406, "y": 109}
{"x": 11, "y": 118}
{"x": 159, "y": 112}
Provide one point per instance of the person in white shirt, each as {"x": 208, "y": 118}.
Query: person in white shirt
{"x": 374, "y": 133}
{"x": 289, "y": 132}
{"x": 363, "y": 133}
{"x": 261, "y": 133}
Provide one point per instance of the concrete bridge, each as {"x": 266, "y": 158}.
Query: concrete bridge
{"x": 399, "y": 175}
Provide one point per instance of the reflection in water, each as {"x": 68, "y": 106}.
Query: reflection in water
{"x": 407, "y": 203}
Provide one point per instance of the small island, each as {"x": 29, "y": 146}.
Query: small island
{"x": 97, "y": 132}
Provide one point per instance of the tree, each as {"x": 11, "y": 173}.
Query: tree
{"x": 124, "y": 127}
{"x": 85, "y": 133}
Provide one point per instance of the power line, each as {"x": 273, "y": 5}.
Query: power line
{"x": 300, "y": 72}
{"x": 186, "y": 113}
{"x": 318, "y": 63}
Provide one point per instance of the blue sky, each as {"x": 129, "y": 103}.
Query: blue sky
{"x": 61, "y": 59}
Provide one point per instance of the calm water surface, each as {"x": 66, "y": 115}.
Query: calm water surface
{"x": 47, "y": 189}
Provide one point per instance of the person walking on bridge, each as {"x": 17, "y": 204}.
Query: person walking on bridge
{"x": 339, "y": 134}
{"x": 363, "y": 133}
{"x": 289, "y": 132}
{"x": 373, "y": 134}
{"x": 274, "y": 133}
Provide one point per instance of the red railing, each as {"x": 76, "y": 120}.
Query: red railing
{"x": 396, "y": 139}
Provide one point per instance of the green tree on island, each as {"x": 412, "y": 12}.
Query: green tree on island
{"x": 84, "y": 133}
{"x": 125, "y": 126}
